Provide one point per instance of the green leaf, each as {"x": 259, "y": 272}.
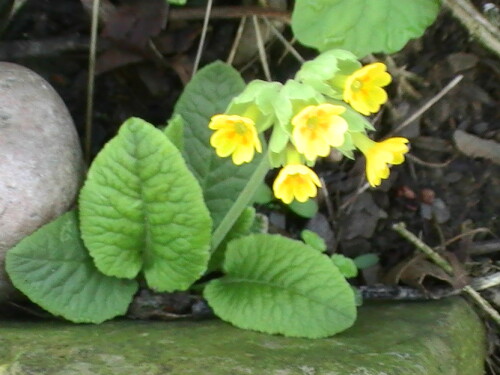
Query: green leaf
{"x": 177, "y": 2}
{"x": 345, "y": 265}
{"x": 264, "y": 194}
{"x": 314, "y": 240}
{"x": 175, "y": 131}
{"x": 277, "y": 285}
{"x": 366, "y": 260}
{"x": 361, "y": 26}
{"x": 141, "y": 209}
{"x": 53, "y": 268}
{"x": 305, "y": 209}
{"x": 209, "y": 93}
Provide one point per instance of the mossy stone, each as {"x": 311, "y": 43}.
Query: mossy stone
{"x": 424, "y": 338}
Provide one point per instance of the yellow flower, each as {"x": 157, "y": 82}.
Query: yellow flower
{"x": 379, "y": 155}
{"x": 316, "y": 128}
{"x": 363, "y": 88}
{"x": 296, "y": 181}
{"x": 234, "y": 135}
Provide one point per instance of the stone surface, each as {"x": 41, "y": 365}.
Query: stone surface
{"x": 41, "y": 164}
{"x": 429, "y": 338}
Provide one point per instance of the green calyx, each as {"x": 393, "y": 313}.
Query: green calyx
{"x": 293, "y": 97}
{"x": 327, "y": 72}
{"x": 257, "y": 102}
{"x": 362, "y": 142}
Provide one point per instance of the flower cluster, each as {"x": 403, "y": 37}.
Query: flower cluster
{"x": 321, "y": 109}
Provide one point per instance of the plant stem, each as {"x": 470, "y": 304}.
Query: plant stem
{"x": 438, "y": 259}
{"x": 244, "y": 199}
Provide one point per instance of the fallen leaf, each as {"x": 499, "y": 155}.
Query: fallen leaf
{"x": 421, "y": 273}
{"x": 476, "y": 147}
{"x": 134, "y": 24}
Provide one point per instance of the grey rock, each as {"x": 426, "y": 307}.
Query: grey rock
{"x": 41, "y": 165}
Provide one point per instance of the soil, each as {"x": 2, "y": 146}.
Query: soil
{"x": 444, "y": 193}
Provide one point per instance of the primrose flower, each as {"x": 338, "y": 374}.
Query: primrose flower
{"x": 296, "y": 181}
{"x": 363, "y": 88}
{"x": 234, "y": 135}
{"x": 316, "y": 128}
{"x": 379, "y": 155}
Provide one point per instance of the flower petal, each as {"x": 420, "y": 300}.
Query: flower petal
{"x": 295, "y": 181}
{"x": 235, "y": 135}
{"x": 363, "y": 88}
{"x": 381, "y": 155}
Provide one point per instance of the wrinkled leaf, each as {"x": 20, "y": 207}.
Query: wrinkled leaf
{"x": 277, "y": 285}
{"x": 209, "y": 93}
{"x": 361, "y": 26}
{"x": 175, "y": 132}
{"x": 53, "y": 268}
{"x": 142, "y": 210}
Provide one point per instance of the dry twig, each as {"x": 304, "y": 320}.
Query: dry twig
{"x": 90, "y": 84}
{"x": 355, "y": 196}
{"x": 443, "y": 263}
{"x": 435, "y": 257}
{"x": 427, "y": 163}
{"x": 427, "y": 105}
{"x": 478, "y": 26}
{"x": 262, "y": 49}
{"x": 228, "y": 13}
{"x": 237, "y": 40}
{"x": 289, "y": 47}
{"x": 206, "y": 18}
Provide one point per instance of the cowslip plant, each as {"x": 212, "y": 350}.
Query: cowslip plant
{"x": 165, "y": 207}
{"x": 162, "y": 209}
{"x": 149, "y": 214}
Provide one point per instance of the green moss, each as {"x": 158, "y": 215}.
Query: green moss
{"x": 439, "y": 337}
